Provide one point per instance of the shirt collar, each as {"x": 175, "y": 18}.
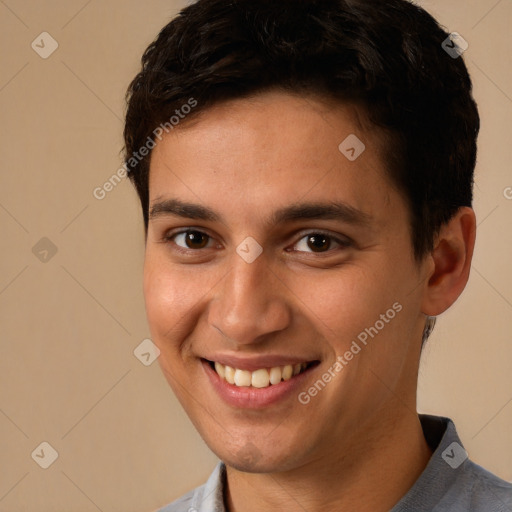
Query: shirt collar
{"x": 210, "y": 496}
{"x": 449, "y": 459}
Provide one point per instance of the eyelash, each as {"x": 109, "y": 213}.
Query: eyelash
{"x": 343, "y": 243}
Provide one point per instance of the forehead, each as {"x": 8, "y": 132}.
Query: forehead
{"x": 272, "y": 149}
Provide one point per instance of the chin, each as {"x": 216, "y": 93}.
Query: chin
{"x": 246, "y": 465}
{"x": 250, "y": 458}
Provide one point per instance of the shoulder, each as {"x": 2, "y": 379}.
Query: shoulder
{"x": 474, "y": 489}
{"x": 451, "y": 481}
{"x": 483, "y": 491}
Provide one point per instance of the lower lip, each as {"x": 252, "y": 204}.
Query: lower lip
{"x": 256, "y": 398}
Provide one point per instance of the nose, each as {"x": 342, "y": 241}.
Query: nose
{"x": 250, "y": 303}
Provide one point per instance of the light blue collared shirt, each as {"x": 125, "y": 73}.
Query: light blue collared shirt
{"x": 449, "y": 483}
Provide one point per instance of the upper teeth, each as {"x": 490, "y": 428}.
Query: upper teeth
{"x": 261, "y": 378}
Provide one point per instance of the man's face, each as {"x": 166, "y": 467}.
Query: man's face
{"x": 326, "y": 288}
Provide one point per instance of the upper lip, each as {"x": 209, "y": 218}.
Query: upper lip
{"x": 256, "y": 362}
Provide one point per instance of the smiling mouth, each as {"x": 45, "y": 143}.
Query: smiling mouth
{"x": 261, "y": 378}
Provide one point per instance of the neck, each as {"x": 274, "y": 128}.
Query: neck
{"x": 369, "y": 475}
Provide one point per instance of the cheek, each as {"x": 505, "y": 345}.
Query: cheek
{"x": 158, "y": 295}
{"x": 169, "y": 297}
{"x": 344, "y": 303}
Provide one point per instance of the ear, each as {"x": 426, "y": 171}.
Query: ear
{"x": 450, "y": 262}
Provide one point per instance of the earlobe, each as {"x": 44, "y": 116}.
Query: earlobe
{"x": 451, "y": 257}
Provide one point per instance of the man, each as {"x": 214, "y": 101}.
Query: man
{"x": 305, "y": 172}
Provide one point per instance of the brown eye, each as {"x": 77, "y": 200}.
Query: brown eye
{"x": 189, "y": 239}
{"x": 318, "y": 242}
{"x": 196, "y": 239}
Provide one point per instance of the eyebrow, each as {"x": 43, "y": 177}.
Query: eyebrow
{"x": 298, "y": 211}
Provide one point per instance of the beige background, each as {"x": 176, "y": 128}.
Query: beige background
{"x": 69, "y": 326}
